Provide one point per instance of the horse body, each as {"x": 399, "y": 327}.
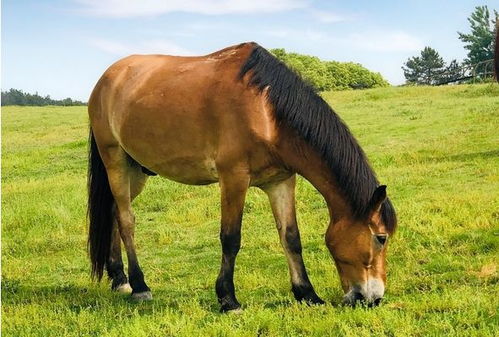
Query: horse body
{"x": 238, "y": 117}
{"x": 187, "y": 143}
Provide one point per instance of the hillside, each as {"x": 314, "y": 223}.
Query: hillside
{"x": 435, "y": 147}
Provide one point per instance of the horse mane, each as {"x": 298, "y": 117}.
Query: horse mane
{"x": 299, "y": 106}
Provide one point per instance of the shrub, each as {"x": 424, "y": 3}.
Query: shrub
{"x": 330, "y": 75}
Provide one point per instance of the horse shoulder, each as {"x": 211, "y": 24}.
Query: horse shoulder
{"x": 262, "y": 120}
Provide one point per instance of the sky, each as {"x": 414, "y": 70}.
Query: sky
{"x": 61, "y": 48}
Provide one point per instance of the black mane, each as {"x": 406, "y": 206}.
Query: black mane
{"x": 298, "y": 105}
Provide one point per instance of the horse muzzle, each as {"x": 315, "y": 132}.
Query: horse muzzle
{"x": 369, "y": 293}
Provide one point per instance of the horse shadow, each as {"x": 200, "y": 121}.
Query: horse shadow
{"x": 94, "y": 298}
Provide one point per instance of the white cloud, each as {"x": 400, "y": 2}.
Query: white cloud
{"x": 326, "y": 16}
{"x": 110, "y": 47}
{"x": 163, "y": 47}
{"x": 135, "y": 8}
{"x": 280, "y": 33}
{"x": 296, "y": 34}
{"x": 145, "y": 47}
{"x": 385, "y": 41}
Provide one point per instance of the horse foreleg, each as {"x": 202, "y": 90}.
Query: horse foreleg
{"x": 233, "y": 192}
{"x": 282, "y": 201}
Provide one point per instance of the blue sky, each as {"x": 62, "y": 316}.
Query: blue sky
{"x": 62, "y": 47}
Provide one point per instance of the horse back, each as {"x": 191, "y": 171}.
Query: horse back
{"x": 184, "y": 117}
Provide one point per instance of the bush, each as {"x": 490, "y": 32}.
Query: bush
{"x": 331, "y": 75}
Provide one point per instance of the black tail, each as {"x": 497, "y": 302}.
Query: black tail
{"x": 99, "y": 211}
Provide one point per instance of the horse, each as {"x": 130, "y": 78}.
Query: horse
{"x": 242, "y": 118}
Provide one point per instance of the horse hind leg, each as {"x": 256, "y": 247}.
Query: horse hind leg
{"x": 126, "y": 181}
{"x": 115, "y": 267}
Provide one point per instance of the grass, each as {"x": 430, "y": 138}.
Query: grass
{"x": 437, "y": 149}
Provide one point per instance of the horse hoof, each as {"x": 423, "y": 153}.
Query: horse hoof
{"x": 143, "y": 296}
{"x": 315, "y": 301}
{"x": 124, "y": 288}
{"x": 237, "y": 311}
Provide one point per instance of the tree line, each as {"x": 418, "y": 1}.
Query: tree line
{"x": 18, "y": 97}
{"x": 429, "y": 68}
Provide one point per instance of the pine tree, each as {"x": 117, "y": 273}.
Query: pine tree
{"x": 480, "y": 41}
{"x": 453, "y": 72}
{"x": 424, "y": 69}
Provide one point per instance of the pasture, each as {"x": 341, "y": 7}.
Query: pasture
{"x": 437, "y": 149}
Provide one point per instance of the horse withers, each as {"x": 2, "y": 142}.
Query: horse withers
{"x": 241, "y": 118}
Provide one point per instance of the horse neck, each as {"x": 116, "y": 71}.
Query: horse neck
{"x": 303, "y": 159}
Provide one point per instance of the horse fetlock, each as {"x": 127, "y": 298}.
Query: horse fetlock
{"x": 136, "y": 279}
{"x": 306, "y": 293}
{"x": 119, "y": 279}
{"x": 139, "y": 288}
{"x": 229, "y": 303}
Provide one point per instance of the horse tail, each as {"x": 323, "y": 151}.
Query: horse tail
{"x": 99, "y": 210}
{"x": 496, "y": 54}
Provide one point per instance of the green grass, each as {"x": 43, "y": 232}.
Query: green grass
{"x": 437, "y": 149}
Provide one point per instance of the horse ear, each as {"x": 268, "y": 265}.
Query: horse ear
{"x": 377, "y": 199}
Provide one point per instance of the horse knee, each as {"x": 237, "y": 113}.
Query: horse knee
{"x": 292, "y": 240}
{"x": 231, "y": 243}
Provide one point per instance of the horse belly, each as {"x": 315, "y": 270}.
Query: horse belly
{"x": 182, "y": 164}
{"x": 188, "y": 170}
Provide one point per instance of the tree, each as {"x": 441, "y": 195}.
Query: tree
{"x": 424, "y": 69}
{"x": 330, "y": 75}
{"x": 453, "y": 72}
{"x": 18, "y": 97}
{"x": 480, "y": 41}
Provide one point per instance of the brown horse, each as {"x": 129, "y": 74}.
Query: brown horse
{"x": 241, "y": 118}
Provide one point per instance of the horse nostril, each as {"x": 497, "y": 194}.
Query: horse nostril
{"x": 354, "y": 298}
{"x": 358, "y": 297}
{"x": 375, "y": 303}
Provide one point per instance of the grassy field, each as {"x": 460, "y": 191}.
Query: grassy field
{"x": 437, "y": 149}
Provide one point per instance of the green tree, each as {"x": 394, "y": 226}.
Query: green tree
{"x": 18, "y": 97}
{"x": 480, "y": 41}
{"x": 330, "y": 75}
{"x": 424, "y": 69}
{"x": 453, "y": 72}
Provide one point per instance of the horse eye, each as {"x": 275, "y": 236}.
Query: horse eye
{"x": 381, "y": 238}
